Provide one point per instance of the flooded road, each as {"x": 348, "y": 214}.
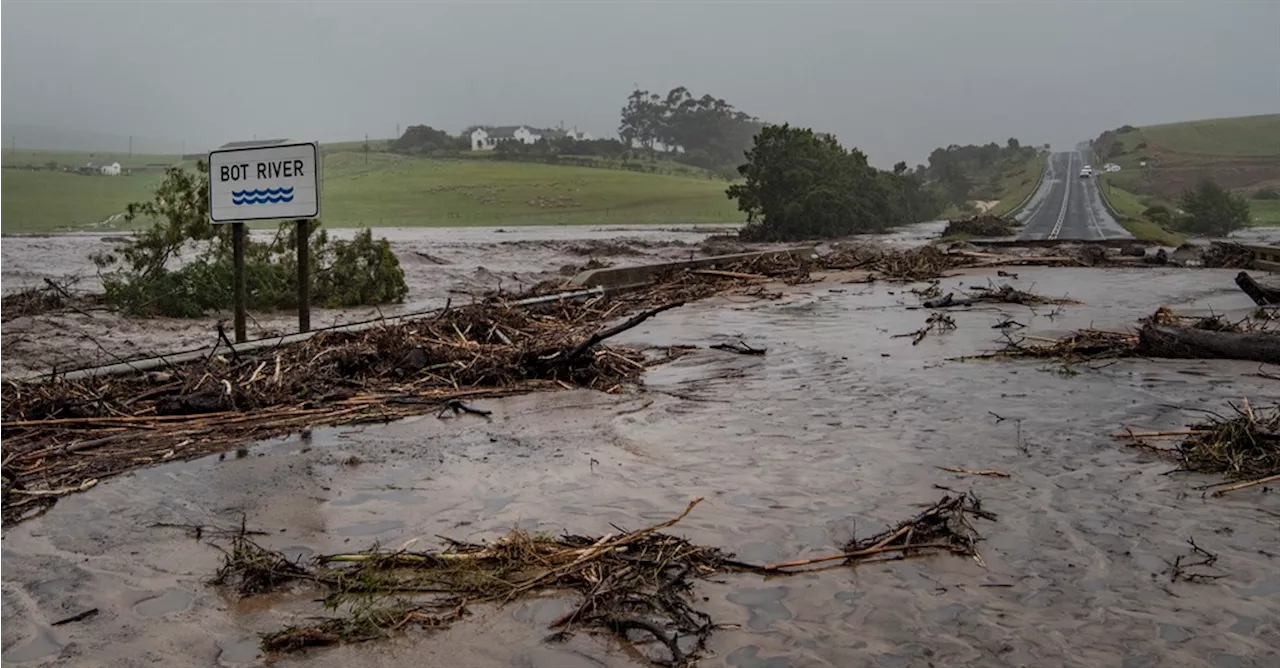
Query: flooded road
{"x": 839, "y": 428}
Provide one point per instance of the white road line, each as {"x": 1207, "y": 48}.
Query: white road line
{"x": 1066, "y": 197}
{"x": 1093, "y": 213}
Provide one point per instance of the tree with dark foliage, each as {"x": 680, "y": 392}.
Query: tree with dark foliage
{"x": 702, "y": 131}
{"x": 1212, "y": 210}
{"x": 799, "y": 185}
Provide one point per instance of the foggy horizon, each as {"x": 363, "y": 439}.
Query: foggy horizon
{"x": 894, "y": 80}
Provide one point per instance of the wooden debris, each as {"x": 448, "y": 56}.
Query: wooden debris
{"x": 740, "y": 347}
{"x": 986, "y": 472}
{"x": 944, "y": 527}
{"x": 334, "y": 378}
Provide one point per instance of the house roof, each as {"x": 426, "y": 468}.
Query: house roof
{"x": 552, "y": 133}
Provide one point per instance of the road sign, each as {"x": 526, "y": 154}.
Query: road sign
{"x": 264, "y": 181}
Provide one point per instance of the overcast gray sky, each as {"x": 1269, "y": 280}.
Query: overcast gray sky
{"x": 893, "y": 78}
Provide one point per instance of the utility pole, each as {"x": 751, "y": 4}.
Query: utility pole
{"x": 130, "y": 146}
{"x": 366, "y": 148}
{"x": 397, "y": 130}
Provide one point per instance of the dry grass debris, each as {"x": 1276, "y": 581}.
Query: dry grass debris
{"x": 636, "y": 586}
{"x": 1245, "y": 445}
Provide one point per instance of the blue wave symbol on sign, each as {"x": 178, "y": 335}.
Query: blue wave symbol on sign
{"x": 261, "y": 196}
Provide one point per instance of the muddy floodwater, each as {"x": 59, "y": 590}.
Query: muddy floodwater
{"x": 839, "y": 428}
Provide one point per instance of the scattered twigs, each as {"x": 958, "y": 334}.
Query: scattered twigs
{"x": 985, "y": 472}
{"x": 936, "y": 322}
{"x": 636, "y": 585}
{"x": 741, "y": 347}
{"x": 944, "y": 526}
{"x": 1199, "y": 558}
{"x": 1246, "y": 484}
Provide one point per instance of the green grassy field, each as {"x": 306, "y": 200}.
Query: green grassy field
{"x": 392, "y": 190}
{"x": 389, "y": 190}
{"x": 43, "y": 202}
{"x": 1017, "y": 183}
{"x": 1244, "y": 136}
{"x": 77, "y": 159}
{"x": 1130, "y": 208}
{"x": 1264, "y": 212}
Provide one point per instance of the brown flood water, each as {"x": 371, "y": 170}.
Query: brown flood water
{"x": 839, "y": 427}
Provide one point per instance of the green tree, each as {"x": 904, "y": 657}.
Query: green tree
{"x": 425, "y": 140}
{"x": 802, "y": 186}
{"x": 1212, "y": 210}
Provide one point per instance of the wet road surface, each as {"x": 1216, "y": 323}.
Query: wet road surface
{"x": 1067, "y": 206}
{"x": 839, "y": 428}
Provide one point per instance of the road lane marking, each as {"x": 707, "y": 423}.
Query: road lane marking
{"x": 1066, "y": 198}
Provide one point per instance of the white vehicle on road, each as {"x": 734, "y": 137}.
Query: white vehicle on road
{"x": 1086, "y": 172}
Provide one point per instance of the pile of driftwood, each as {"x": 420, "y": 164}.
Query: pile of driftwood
{"x": 912, "y": 264}
{"x": 1226, "y": 255}
{"x": 1244, "y": 446}
{"x": 983, "y": 225}
{"x": 48, "y": 296}
{"x": 1164, "y": 334}
{"x": 62, "y": 436}
{"x": 636, "y": 586}
{"x": 989, "y": 294}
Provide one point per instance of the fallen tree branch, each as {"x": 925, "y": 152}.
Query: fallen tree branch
{"x": 617, "y": 329}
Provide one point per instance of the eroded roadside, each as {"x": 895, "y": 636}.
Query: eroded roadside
{"x": 839, "y": 427}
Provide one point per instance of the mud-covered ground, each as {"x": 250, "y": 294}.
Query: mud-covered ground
{"x": 840, "y": 427}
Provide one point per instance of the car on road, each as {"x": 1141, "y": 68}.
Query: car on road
{"x": 1086, "y": 172}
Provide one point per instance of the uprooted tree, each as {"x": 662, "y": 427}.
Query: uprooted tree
{"x": 181, "y": 266}
{"x": 802, "y": 185}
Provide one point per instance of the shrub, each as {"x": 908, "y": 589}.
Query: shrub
{"x": 1158, "y": 213}
{"x": 140, "y": 277}
{"x": 1211, "y": 210}
{"x": 1267, "y": 193}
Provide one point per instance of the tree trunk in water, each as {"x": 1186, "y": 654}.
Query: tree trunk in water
{"x": 1260, "y": 294}
{"x": 1183, "y": 342}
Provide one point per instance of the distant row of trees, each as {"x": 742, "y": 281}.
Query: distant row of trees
{"x": 704, "y": 131}
{"x": 969, "y": 172}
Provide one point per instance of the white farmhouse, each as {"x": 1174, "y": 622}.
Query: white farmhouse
{"x": 112, "y": 169}
{"x": 487, "y": 138}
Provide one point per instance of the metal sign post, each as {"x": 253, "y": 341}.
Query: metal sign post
{"x": 302, "y": 232}
{"x": 237, "y": 280}
{"x": 266, "y": 180}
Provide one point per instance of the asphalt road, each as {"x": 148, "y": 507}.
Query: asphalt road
{"x": 1067, "y": 206}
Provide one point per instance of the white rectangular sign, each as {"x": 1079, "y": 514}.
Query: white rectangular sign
{"x": 262, "y": 183}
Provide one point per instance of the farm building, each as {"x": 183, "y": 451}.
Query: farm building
{"x": 112, "y": 169}
{"x": 486, "y": 138}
